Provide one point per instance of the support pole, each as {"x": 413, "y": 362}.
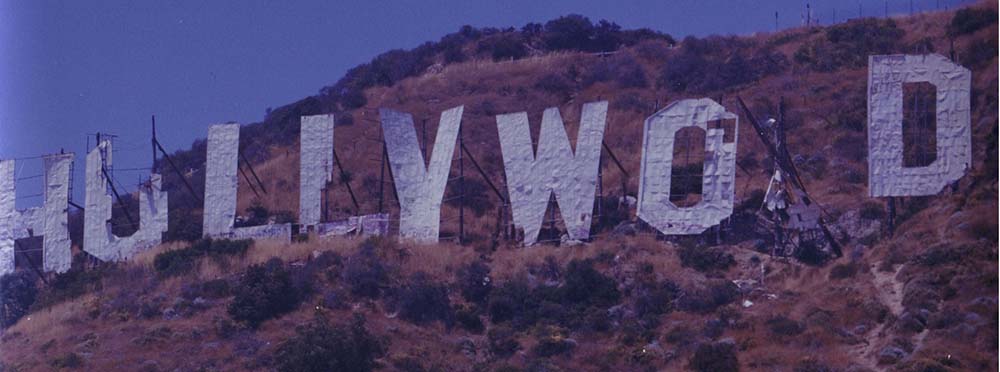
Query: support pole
{"x": 461, "y": 189}
{"x": 381, "y": 181}
{"x": 118, "y": 198}
{"x": 32, "y": 265}
{"x": 483, "y": 173}
{"x": 346, "y": 182}
{"x": 244, "y": 173}
{"x": 247, "y": 162}
{"x": 620, "y": 167}
{"x": 178, "y": 171}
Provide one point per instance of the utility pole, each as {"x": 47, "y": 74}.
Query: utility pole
{"x": 808, "y": 16}
{"x": 775, "y": 28}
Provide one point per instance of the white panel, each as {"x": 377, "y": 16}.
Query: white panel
{"x": 220, "y": 179}
{"x": 366, "y": 225}
{"x": 556, "y": 169}
{"x": 420, "y": 188}
{"x": 281, "y": 231}
{"x": 886, "y": 74}
{"x": 98, "y": 240}
{"x": 315, "y": 165}
{"x": 719, "y": 173}
{"x": 56, "y": 249}
{"x": 8, "y": 215}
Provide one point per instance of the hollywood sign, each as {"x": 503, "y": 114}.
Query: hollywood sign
{"x": 532, "y": 176}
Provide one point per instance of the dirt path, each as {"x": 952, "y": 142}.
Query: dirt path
{"x": 889, "y": 292}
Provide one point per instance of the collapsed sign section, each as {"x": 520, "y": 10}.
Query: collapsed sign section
{"x": 572, "y": 177}
{"x": 420, "y": 188}
{"x": 50, "y": 220}
{"x": 719, "y": 169}
{"x": 887, "y": 176}
{"x": 98, "y": 240}
{"x": 222, "y": 162}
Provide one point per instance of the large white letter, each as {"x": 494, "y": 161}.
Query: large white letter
{"x": 221, "y": 165}
{"x": 315, "y": 165}
{"x": 98, "y": 240}
{"x": 719, "y": 172}
{"x": 220, "y": 179}
{"x": 50, "y": 220}
{"x": 886, "y": 174}
{"x": 556, "y": 169}
{"x": 420, "y": 188}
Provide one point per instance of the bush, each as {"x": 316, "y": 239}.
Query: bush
{"x": 318, "y": 346}
{"x": 715, "y": 294}
{"x": 264, "y": 292}
{"x": 655, "y": 298}
{"x": 783, "y": 326}
{"x": 503, "y": 46}
{"x": 71, "y": 284}
{"x": 872, "y": 210}
{"x": 623, "y": 69}
{"x": 586, "y": 286}
{"x": 512, "y": 301}
{"x": 180, "y": 261}
{"x": 423, "y": 301}
{"x": 705, "y": 258}
{"x": 715, "y": 63}
{"x": 552, "y": 343}
{"x": 474, "y": 282}
{"x": 69, "y": 360}
{"x": 17, "y": 294}
{"x": 365, "y": 273}
{"x": 468, "y": 319}
{"x": 969, "y": 20}
{"x": 555, "y": 84}
{"x": 849, "y": 44}
{"x": 715, "y": 357}
{"x": 843, "y": 271}
{"x": 501, "y": 341}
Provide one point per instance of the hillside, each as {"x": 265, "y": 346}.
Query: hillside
{"x": 920, "y": 298}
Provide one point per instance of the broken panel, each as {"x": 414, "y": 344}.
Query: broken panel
{"x": 98, "y": 240}
{"x": 420, "y": 188}
{"x": 315, "y": 165}
{"x": 887, "y": 175}
{"x": 532, "y": 178}
{"x": 719, "y": 168}
{"x": 220, "y": 179}
{"x": 49, "y": 221}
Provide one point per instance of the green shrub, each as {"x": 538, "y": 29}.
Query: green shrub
{"x": 843, "y": 271}
{"x": 422, "y": 301}
{"x": 69, "y": 360}
{"x": 782, "y": 325}
{"x": 705, "y": 258}
{"x": 320, "y": 347}
{"x": 180, "y": 261}
{"x": 715, "y": 357}
{"x": 502, "y": 341}
{"x": 468, "y": 318}
{"x": 264, "y": 292}
{"x": 585, "y": 285}
{"x": 17, "y": 294}
{"x": 714, "y": 294}
{"x": 365, "y": 273}
{"x": 872, "y": 210}
{"x": 72, "y": 284}
{"x": 474, "y": 282}
{"x": 849, "y": 44}
{"x": 969, "y": 20}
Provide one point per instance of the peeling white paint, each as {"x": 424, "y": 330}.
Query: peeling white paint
{"x": 315, "y": 165}
{"x": 420, "y": 188}
{"x": 886, "y": 74}
{"x": 572, "y": 176}
{"x": 8, "y": 216}
{"x": 98, "y": 240}
{"x": 57, "y": 253}
{"x": 366, "y": 225}
{"x": 49, "y": 221}
{"x": 719, "y": 172}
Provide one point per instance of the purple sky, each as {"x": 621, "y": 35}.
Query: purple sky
{"x": 72, "y": 68}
